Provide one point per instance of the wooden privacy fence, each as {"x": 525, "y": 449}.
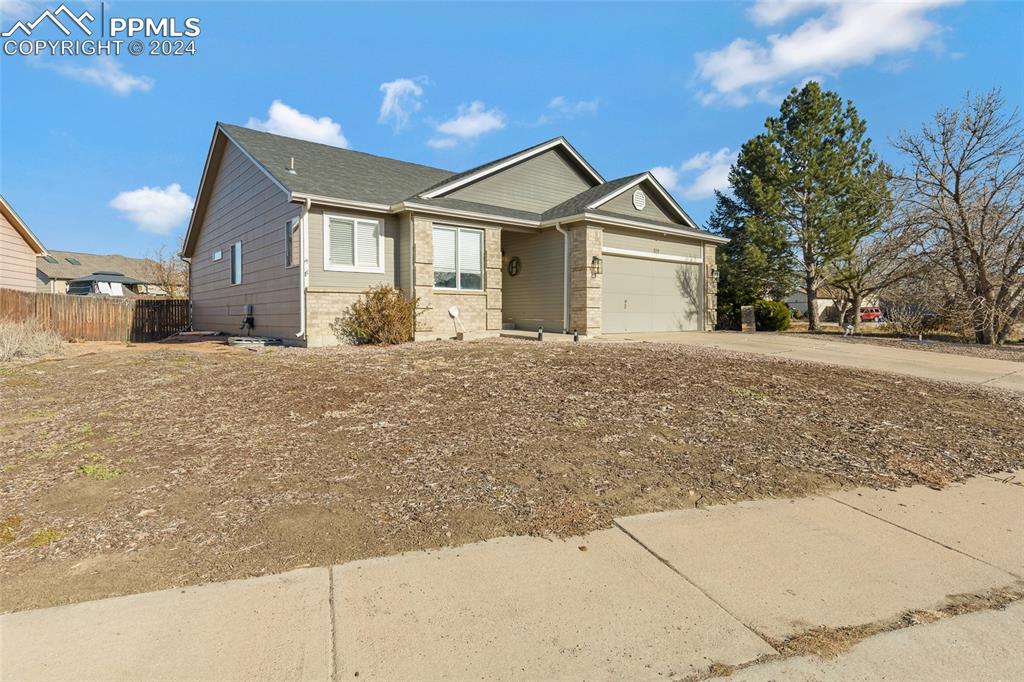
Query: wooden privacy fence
{"x": 93, "y": 318}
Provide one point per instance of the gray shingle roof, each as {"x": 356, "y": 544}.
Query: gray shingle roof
{"x": 578, "y": 203}
{"x": 486, "y": 209}
{"x": 327, "y": 171}
{"x": 139, "y": 268}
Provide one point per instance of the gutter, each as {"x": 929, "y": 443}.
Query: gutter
{"x": 303, "y": 265}
{"x": 565, "y": 277}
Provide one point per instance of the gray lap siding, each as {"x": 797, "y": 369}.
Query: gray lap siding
{"x": 245, "y": 205}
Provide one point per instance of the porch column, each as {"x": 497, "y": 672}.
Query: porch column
{"x": 423, "y": 271}
{"x": 584, "y": 284}
{"x": 492, "y": 277}
{"x": 710, "y": 288}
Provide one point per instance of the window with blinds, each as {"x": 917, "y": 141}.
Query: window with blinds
{"x": 458, "y": 258}
{"x": 353, "y": 244}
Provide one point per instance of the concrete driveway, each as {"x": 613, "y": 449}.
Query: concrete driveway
{"x": 925, "y": 364}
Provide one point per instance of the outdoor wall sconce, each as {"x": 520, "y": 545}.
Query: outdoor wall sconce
{"x": 595, "y": 265}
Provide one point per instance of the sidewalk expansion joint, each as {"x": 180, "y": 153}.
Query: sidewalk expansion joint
{"x": 700, "y": 589}
{"x": 929, "y": 539}
{"x": 332, "y": 665}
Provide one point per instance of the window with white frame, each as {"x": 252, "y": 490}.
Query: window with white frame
{"x": 236, "y": 263}
{"x": 353, "y": 244}
{"x": 458, "y": 258}
{"x": 292, "y": 243}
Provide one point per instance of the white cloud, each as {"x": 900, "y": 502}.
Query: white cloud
{"x": 401, "y": 98}
{"x": 712, "y": 172}
{"x": 155, "y": 209}
{"x": 285, "y": 120}
{"x": 103, "y": 71}
{"x": 473, "y": 119}
{"x": 841, "y": 34}
{"x": 442, "y": 142}
{"x": 561, "y": 108}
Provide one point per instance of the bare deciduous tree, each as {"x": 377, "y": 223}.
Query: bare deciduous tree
{"x": 170, "y": 273}
{"x": 965, "y": 194}
{"x": 876, "y": 261}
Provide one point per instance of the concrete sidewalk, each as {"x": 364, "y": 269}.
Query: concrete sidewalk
{"x": 659, "y": 595}
{"x": 919, "y": 363}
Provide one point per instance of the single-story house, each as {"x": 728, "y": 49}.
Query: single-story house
{"x": 293, "y": 232}
{"x": 18, "y": 250}
{"x": 57, "y": 269}
{"x": 828, "y": 303}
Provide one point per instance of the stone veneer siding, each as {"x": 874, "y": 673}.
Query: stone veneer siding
{"x": 479, "y": 311}
{"x": 323, "y": 306}
{"x": 710, "y": 288}
{"x": 584, "y": 285}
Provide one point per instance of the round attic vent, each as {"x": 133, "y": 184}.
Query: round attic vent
{"x": 639, "y": 200}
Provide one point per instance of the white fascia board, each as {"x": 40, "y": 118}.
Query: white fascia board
{"x": 647, "y": 227}
{"x": 21, "y": 227}
{"x": 341, "y": 203}
{"x": 483, "y": 173}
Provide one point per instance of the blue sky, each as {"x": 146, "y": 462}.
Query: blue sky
{"x": 105, "y": 154}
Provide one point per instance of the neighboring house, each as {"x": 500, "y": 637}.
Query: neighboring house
{"x": 18, "y": 251}
{"x": 296, "y": 231}
{"x": 828, "y": 303}
{"x": 57, "y": 269}
{"x": 105, "y": 284}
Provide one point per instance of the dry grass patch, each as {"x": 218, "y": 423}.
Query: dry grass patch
{"x": 236, "y": 464}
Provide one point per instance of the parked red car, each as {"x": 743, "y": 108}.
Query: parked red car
{"x": 870, "y": 314}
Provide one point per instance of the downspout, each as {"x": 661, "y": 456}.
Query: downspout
{"x": 303, "y": 265}
{"x": 565, "y": 277}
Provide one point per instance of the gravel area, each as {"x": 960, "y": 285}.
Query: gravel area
{"x": 161, "y": 466}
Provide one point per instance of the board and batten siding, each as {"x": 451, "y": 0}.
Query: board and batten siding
{"x": 245, "y": 205}
{"x": 536, "y": 184}
{"x": 652, "y": 243}
{"x": 653, "y": 210}
{"x": 17, "y": 259}
{"x": 319, "y": 278}
{"x": 534, "y": 297}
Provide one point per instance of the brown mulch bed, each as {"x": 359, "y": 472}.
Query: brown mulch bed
{"x": 126, "y": 472}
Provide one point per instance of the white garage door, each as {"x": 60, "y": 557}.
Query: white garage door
{"x": 644, "y": 295}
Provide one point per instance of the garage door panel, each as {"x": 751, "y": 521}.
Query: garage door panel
{"x": 642, "y": 295}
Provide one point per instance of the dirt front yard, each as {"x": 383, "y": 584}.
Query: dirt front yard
{"x": 160, "y": 466}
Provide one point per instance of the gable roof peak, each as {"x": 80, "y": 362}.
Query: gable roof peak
{"x": 495, "y": 166}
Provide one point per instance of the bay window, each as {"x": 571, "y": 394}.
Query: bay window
{"x": 353, "y": 244}
{"x": 458, "y": 258}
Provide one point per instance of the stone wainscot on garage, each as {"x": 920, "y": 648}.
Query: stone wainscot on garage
{"x": 291, "y": 232}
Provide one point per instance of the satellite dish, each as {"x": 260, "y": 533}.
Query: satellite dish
{"x": 453, "y": 312}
